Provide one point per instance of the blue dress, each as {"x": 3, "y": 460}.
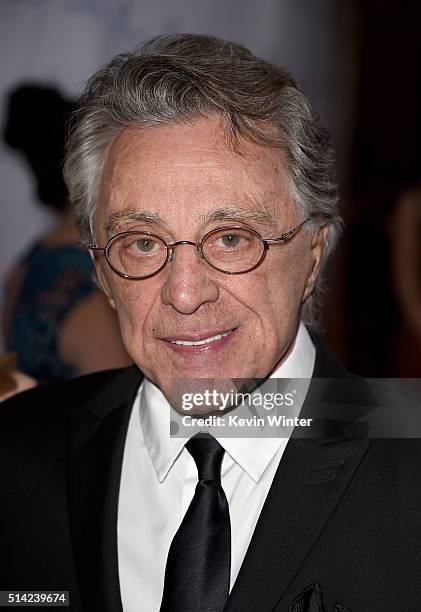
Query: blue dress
{"x": 55, "y": 281}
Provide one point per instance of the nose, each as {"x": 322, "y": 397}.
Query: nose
{"x": 188, "y": 283}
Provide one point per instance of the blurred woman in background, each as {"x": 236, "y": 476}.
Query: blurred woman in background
{"x": 54, "y": 317}
{"x": 406, "y": 249}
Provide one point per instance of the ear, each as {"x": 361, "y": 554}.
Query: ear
{"x": 101, "y": 279}
{"x": 318, "y": 244}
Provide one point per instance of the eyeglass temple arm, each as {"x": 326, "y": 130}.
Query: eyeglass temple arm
{"x": 289, "y": 234}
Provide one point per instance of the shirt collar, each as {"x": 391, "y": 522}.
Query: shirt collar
{"x": 155, "y": 420}
{"x": 253, "y": 455}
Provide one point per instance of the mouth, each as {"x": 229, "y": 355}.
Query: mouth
{"x": 200, "y": 342}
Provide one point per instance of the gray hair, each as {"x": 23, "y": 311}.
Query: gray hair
{"x": 172, "y": 80}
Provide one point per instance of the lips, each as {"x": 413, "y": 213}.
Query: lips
{"x": 208, "y": 339}
{"x": 200, "y": 342}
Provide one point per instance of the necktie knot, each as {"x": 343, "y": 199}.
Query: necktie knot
{"x": 207, "y": 454}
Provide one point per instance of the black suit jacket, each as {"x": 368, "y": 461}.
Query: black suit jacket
{"x": 341, "y": 523}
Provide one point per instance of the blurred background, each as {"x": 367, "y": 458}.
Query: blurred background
{"x": 358, "y": 61}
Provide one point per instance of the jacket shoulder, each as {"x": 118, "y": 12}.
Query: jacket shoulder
{"x": 54, "y": 401}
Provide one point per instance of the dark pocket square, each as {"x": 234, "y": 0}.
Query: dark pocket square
{"x": 311, "y": 600}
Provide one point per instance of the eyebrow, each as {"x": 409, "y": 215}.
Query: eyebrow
{"x": 117, "y": 218}
{"x": 253, "y": 216}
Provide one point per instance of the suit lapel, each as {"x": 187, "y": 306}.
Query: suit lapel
{"x": 309, "y": 483}
{"x": 99, "y": 433}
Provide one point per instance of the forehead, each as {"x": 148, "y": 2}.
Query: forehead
{"x": 190, "y": 171}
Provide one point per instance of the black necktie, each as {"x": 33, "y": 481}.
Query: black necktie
{"x": 197, "y": 574}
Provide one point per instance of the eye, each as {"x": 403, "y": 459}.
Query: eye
{"x": 144, "y": 245}
{"x": 231, "y": 240}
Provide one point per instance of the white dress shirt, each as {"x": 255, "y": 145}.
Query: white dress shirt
{"x": 159, "y": 477}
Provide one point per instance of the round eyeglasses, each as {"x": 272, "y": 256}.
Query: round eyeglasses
{"x": 136, "y": 254}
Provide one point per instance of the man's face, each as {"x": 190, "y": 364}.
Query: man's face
{"x": 186, "y": 181}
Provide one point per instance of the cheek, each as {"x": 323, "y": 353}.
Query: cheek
{"x": 257, "y": 296}
{"x": 133, "y": 305}
{"x": 276, "y": 300}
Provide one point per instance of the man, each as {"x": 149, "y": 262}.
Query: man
{"x": 205, "y": 189}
